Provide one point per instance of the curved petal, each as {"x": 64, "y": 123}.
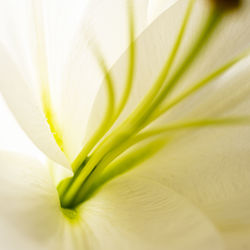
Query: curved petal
{"x": 129, "y": 213}
{"x": 41, "y": 35}
{"x": 152, "y": 49}
{"x": 13, "y": 138}
{"x": 156, "y": 7}
{"x": 210, "y": 166}
{"x": 230, "y": 38}
{"x": 29, "y": 212}
{"x": 137, "y": 213}
{"x": 38, "y": 35}
{"x": 105, "y": 26}
{"x": 26, "y": 110}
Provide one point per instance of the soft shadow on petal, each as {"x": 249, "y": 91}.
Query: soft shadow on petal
{"x": 137, "y": 213}
{"x": 106, "y": 26}
{"x": 210, "y": 167}
{"x": 25, "y": 108}
{"x": 128, "y": 213}
{"x": 239, "y": 240}
{"x": 231, "y": 38}
{"x": 18, "y": 34}
{"x": 13, "y": 138}
{"x": 156, "y": 7}
{"x": 29, "y": 211}
{"x": 153, "y": 47}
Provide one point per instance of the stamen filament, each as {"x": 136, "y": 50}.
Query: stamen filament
{"x": 116, "y": 167}
{"x": 206, "y": 33}
{"x": 106, "y": 122}
{"x": 124, "y": 136}
{"x": 131, "y": 64}
{"x": 195, "y": 123}
{"x": 166, "y": 68}
{"x": 111, "y": 115}
{"x": 195, "y": 87}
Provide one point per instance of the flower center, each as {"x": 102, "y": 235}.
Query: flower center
{"x": 104, "y": 157}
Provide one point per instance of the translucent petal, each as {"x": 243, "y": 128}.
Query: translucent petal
{"x": 210, "y": 166}
{"x": 129, "y": 213}
{"x": 152, "y": 49}
{"x": 25, "y": 108}
{"x": 13, "y": 138}
{"x": 138, "y": 213}
{"x": 106, "y": 26}
{"x": 51, "y": 42}
{"x": 38, "y": 35}
{"x": 156, "y": 7}
{"x": 29, "y": 211}
{"x": 230, "y": 38}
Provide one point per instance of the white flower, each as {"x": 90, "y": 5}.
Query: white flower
{"x": 193, "y": 194}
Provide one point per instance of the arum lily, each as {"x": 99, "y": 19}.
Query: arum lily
{"x": 142, "y": 111}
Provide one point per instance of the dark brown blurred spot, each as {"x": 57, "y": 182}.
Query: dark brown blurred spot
{"x": 227, "y": 4}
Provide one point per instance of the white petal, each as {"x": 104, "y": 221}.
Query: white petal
{"x": 17, "y": 33}
{"x": 26, "y": 110}
{"x": 106, "y": 26}
{"x": 231, "y": 38}
{"x": 38, "y": 34}
{"x": 152, "y": 49}
{"x": 156, "y": 7}
{"x": 58, "y": 22}
{"x": 210, "y": 166}
{"x": 138, "y": 213}
{"x": 29, "y": 211}
{"x": 13, "y": 138}
{"x": 129, "y": 213}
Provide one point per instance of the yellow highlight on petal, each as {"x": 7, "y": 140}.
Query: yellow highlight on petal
{"x": 51, "y": 119}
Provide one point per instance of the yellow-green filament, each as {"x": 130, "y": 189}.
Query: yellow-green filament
{"x": 131, "y": 64}
{"x": 128, "y": 161}
{"x": 102, "y": 159}
{"x": 166, "y": 68}
{"x": 197, "y": 86}
{"x": 120, "y": 166}
{"x": 107, "y": 119}
{"x": 112, "y": 113}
